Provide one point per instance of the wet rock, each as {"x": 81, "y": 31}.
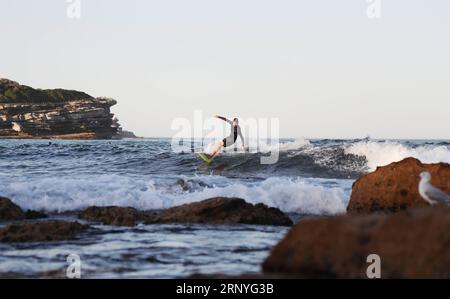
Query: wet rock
{"x": 31, "y": 215}
{"x": 183, "y": 185}
{"x": 191, "y": 185}
{"x": 222, "y": 210}
{"x": 117, "y": 216}
{"x": 40, "y": 231}
{"x": 10, "y": 211}
{"x": 52, "y": 274}
{"x": 411, "y": 244}
{"x": 394, "y": 187}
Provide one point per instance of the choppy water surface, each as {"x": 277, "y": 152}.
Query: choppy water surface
{"x": 312, "y": 177}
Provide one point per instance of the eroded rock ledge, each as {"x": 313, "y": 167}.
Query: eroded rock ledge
{"x": 26, "y": 112}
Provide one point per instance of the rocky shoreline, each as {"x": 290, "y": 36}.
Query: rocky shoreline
{"x": 28, "y": 113}
{"x": 386, "y": 216}
{"x": 218, "y": 210}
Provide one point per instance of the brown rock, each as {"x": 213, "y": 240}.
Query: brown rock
{"x": 40, "y": 231}
{"x": 395, "y": 187}
{"x": 411, "y": 244}
{"x": 223, "y": 210}
{"x": 31, "y": 215}
{"x": 10, "y": 211}
{"x": 117, "y": 216}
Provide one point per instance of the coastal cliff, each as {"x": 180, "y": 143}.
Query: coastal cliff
{"x": 26, "y": 112}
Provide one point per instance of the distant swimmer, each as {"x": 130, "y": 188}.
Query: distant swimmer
{"x": 231, "y": 139}
{"x": 429, "y": 193}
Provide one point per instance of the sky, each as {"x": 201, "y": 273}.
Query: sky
{"x": 323, "y": 68}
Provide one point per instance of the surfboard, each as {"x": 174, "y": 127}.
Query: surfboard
{"x": 205, "y": 158}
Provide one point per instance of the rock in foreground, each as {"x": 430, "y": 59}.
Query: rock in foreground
{"x": 394, "y": 187}
{"x": 32, "y": 215}
{"x": 10, "y": 211}
{"x": 223, "y": 210}
{"x": 40, "y": 231}
{"x": 116, "y": 216}
{"x": 411, "y": 244}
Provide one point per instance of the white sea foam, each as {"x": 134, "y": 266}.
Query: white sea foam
{"x": 384, "y": 153}
{"x": 297, "y": 144}
{"x": 292, "y": 195}
{"x": 265, "y": 146}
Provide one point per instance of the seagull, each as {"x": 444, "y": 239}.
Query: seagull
{"x": 429, "y": 193}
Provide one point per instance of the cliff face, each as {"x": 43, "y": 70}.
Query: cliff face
{"x": 34, "y": 113}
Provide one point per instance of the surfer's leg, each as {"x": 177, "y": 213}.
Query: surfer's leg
{"x": 217, "y": 149}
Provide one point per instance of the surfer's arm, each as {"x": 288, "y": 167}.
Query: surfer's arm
{"x": 224, "y": 119}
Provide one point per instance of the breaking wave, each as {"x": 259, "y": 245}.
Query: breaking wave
{"x": 386, "y": 152}
{"x": 310, "y": 177}
{"x": 291, "y": 195}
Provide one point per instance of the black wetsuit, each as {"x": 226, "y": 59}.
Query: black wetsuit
{"x": 236, "y": 131}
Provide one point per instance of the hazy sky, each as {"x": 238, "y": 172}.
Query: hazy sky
{"x": 322, "y": 67}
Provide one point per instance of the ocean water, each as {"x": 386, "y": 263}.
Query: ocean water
{"x": 312, "y": 177}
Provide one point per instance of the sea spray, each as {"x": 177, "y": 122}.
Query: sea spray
{"x": 291, "y": 195}
{"x": 381, "y": 153}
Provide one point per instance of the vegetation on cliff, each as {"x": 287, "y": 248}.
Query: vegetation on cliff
{"x": 13, "y": 92}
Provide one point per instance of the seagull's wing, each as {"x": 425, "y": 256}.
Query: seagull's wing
{"x": 436, "y": 194}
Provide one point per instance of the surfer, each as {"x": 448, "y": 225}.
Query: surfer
{"x": 231, "y": 139}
